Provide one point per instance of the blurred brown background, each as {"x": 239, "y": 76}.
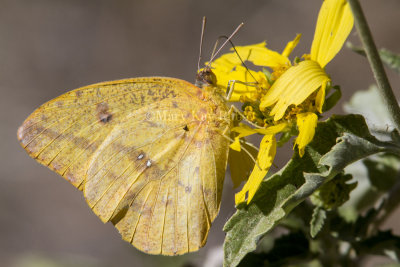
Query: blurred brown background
{"x": 50, "y": 46}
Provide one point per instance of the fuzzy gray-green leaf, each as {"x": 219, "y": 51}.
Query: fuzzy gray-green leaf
{"x": 338, "y": 142}
{"x": 317, "y": 221}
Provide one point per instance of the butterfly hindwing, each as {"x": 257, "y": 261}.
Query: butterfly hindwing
{"x": 157, "y": 179}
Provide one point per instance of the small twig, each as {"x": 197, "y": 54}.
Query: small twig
{"x": 375, "y": 62}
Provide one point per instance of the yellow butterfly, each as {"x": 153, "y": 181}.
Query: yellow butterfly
{"x": 149, "y": 155}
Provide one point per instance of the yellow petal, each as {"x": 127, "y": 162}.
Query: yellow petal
{"x": 272, "y": 129}
{"x": 259, "y": 55}
{"x": 306, "y": 122}
{"x": 334, "y": 24}
{"x": 265, "y": 158}
{"x": 293, "y": 87}
{"x": 227, "y": 70}
{"x": 245, "y": 130}
{"x": 226, "y": 61}
{"x": 320, "y": 98}
{"x": 291, "y": 45}
{"x": 236, "y": 144}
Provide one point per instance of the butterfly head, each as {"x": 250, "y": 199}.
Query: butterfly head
{"x": 205, "y": 77}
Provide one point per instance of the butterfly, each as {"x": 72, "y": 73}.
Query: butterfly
{"x": 149, "y": 155}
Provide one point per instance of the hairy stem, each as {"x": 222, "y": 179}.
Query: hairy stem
{"x": 375, "y": 62}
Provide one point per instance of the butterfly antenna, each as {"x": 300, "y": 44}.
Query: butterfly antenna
{"x": 240, "y": 58}
{"x": 203, "y": 27}
{"x": 215, "y": 47}
{"x": 226, "y": 41}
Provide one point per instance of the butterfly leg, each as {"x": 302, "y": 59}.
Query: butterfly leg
{"x": 237, "y": 111}
{"x": 231, "y": 87}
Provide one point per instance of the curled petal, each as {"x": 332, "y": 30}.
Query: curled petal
{"x": 320, "y": 98}
{"x": 291, "y": 45}
{"x": 293, "y": 87}
{"x": 236, "y": 144}
{"x": 245, "y": 130}
{"x": 306, "y": 122}
{"x": 334, "y": 24}
{"x": 265, "y": 158}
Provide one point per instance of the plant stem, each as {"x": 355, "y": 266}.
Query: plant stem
{"x": 375, "y": 62}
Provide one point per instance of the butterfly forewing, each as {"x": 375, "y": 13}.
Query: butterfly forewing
{"x": 148, "y": 153}
{"x": 64, "y": 132}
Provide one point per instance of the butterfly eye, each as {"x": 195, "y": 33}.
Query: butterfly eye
{"x": 205, "y": 78}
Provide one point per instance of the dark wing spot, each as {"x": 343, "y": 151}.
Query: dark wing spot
{"x": 103, "y": 113}
{"x": 188, "y": 189}
{"x": 104, "y": 118}
{"x": 186, "y": 128}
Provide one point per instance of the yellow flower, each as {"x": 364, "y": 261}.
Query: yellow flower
{"x": 299, "y": 82}
{"x": 294, "y": 93}
{"x": 229, "y": 67}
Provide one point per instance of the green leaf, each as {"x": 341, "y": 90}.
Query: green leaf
{"x": 378, "y": 176}
{"x": 353, "y": 231}
{"x": 395, "y": 135}
{"x": 293, "y": 247}
{"x": 317, "y": 221}
{"x": 390, "y": 59}
{"x": 286, "y": 136}
{"x": 334, "y": 193}
{"x": 370, "y": 104}
{"x": 267, "y": 74}
{"x": 383, "y": 243}
{"x": 332, "y": 99}
{"x": 382, "y": 171}
{"x": 338, "y": 142}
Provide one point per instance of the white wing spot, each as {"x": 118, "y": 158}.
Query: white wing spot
{"x": 148, "y": 163}
{"x": 140, "y": 156}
